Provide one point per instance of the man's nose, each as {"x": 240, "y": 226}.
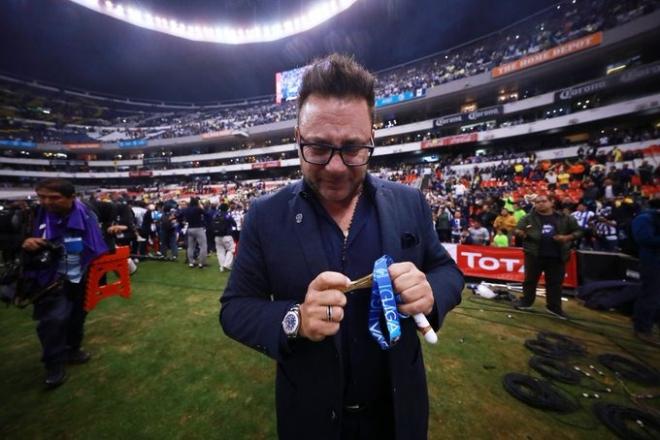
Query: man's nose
{"x": 336, "y": 163}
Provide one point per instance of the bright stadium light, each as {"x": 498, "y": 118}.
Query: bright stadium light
{"x": 317, "y": 13}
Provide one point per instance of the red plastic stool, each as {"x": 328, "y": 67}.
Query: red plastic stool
{"x": 115, "y": 262}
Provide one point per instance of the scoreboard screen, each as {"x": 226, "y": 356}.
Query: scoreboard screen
{"x": 287, "y": 84}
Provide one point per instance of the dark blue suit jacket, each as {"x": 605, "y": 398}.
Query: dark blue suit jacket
{"x": 281, "y": 252}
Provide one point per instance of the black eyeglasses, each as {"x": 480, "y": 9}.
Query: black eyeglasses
{"x": 319, "y": 153}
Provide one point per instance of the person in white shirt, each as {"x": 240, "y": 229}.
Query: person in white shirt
{"x": 551, "y": 178}
{"x": 459, "y": 189}
{"x": 237, "y": 212}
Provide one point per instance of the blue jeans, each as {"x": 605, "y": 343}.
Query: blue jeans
{"x": 168, "y": 241}
{"x": 61, "y": 319}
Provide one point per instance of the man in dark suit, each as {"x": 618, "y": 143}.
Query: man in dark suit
{"x": 301, "y": 246}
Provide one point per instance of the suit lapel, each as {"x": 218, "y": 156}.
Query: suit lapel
{"x": 388, "y": 217}
{"x": 306, "y": 228}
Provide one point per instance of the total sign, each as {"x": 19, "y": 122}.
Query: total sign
{"x": 500, "y": 263}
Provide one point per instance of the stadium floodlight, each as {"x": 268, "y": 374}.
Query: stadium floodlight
{"x": 224, "y": 33}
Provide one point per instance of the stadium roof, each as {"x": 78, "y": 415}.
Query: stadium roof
{"x": 65, "y": 44}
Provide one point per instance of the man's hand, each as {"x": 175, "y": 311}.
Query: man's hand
{"x": 412, "y": 285}
{"x": 520, "y": 233}
{"x": 33, "y": 243}
{"x": 563, "y": 238}
{"x": 322, "y": 292}
{"x": 116, "y": 229}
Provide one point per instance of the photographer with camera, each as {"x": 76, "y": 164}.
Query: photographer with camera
{"x": 65, "y": 239}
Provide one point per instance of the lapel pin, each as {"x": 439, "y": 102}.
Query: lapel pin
{"x": 299, "y": 218}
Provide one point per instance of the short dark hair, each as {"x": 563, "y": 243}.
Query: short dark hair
{"x": 58, "y": 185}
{"x": 338, "y": 76}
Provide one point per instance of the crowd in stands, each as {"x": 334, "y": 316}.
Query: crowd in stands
{"x": 564, "y": 22}
{"x": 56, "y": 117}
{"x": 603, "y": 193}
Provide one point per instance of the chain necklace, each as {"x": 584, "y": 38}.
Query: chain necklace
{"x": 348, "y": 230}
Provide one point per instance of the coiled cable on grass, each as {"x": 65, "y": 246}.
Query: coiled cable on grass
{"x": 563, "y": 343}
{"x": 555, "y": 370}
{"x": 538, "y": 393}
{"x": 545, "y": 349}
{"x": 555, "y": 346}
{"x": 626, "y": 422}
{"x": 630, "y": 369}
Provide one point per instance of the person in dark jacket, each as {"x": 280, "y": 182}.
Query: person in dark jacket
{"x": 196, "y": 218}
{"x": 337, "y": 375}
{"x": 443, "y": 224}
{"x": 547, "y": 236}
{"x": 646, "y": 233}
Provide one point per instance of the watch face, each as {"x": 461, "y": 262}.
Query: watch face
{"x": 290, "y": 323}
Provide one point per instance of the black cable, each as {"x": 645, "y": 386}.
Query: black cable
{"x": 529, "y": 327}
{"x": 494, "y": 321}
{"x": 500, "y": 305}
{"x": 538, "y": 393}
{"x": 626, "y": 422}
{"x": 554, "y": 369}
{"x": 546, "y": 349}
{"x": 563, "y": 343}
{"x": 630, "y": 369}
{"x": 615, "y": 341}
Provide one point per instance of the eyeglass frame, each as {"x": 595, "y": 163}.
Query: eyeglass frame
{"x": 302, "y": 143}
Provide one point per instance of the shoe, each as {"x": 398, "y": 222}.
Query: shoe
{"x": 191, "y": 265}
{"x": 201, "y": 266}
{"x": 78, "y": 357}
{"x": 132, "y": 267}
{"x": 558, "y": 313}
{"x": 519, "y": 305}
{"x": 227, "y": 268}
{"x": 648, "y": 338}
{"x": 55, "y": 376}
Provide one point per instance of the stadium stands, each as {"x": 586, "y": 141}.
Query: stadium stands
{"x": 478, "y": 135}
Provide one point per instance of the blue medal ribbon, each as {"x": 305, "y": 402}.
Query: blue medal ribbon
{"x": 383, "y": 300}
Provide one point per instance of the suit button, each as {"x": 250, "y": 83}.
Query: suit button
{"x": 394, "y": 390}
{"x": 333, "y": 415}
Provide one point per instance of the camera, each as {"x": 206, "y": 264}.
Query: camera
{"x": 44, "y": 257}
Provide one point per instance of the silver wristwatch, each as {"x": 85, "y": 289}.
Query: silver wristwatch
{"x": 291, "y": 321}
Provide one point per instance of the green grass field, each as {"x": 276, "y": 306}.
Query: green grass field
{"x": 162, "y": 368}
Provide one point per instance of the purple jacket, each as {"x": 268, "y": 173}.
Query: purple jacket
{"x": 81, "y": 221}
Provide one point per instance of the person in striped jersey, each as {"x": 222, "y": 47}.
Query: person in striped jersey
{"x": 584, "y": 217}
{"x": 605, "y": 227}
